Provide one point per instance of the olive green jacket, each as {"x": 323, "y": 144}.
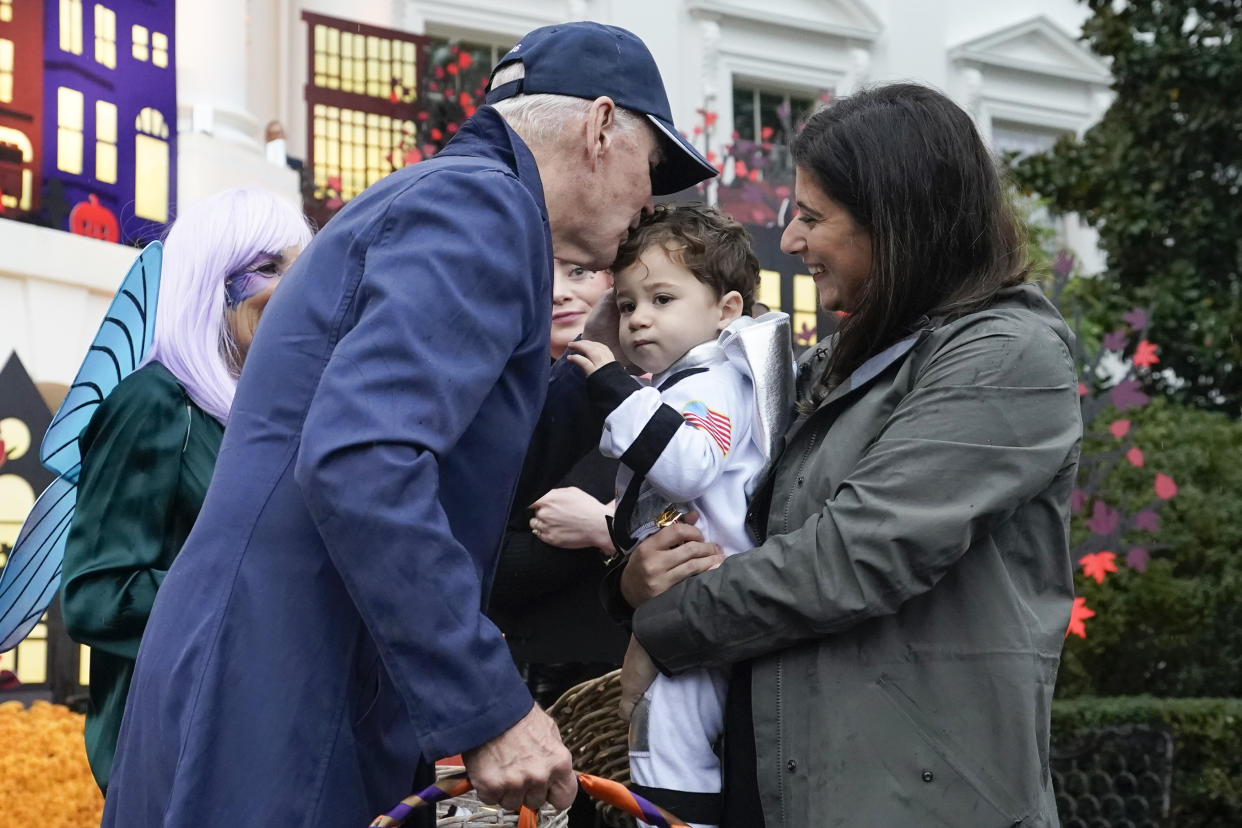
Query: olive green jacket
{"x": 905, "y": 615}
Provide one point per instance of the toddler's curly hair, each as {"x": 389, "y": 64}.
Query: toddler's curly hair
{"x": 712, "y": 246}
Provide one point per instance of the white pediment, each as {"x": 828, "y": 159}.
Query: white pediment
{"x": 1037, "y": 45}
{"x": 852, "y": 19}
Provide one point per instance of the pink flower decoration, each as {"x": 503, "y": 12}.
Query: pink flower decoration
{"x": 1135, "y": 456}
{"x": 1119, "y": 428}
{"x": 1165, "y": 487}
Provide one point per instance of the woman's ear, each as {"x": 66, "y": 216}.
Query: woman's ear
{"x": 730, "y": 309}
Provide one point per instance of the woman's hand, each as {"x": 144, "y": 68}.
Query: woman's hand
{"x": 589, "y": 356}
{"x": 668, "y": 557}
{"x": 569, "y": 518}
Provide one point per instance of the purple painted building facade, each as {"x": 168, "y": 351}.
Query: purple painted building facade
{"x": 110, "y": 117}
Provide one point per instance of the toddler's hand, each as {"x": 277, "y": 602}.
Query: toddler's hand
{"x": 637, "y": 673}
{"x": 590, "y": 356}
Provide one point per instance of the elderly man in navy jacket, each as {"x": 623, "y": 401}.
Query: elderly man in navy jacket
{"x": 322, "y": 633}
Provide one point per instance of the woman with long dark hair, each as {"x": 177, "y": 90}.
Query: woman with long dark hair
{"x": 897, "y": 633}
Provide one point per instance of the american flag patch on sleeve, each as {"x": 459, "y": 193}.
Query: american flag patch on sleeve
{"x": 713, "y": 422}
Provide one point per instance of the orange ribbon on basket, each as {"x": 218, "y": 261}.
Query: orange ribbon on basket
{"x": 605, "y": 790}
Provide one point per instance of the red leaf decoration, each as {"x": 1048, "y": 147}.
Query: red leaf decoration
{"x": 334, "y": 183}
{"x": 1119, "y": 428}
{"x": 465, "y": 60}
{"x": 1098, "y": 564}
{"x": 436, "y": 134}
{"x": 465, "y": 100}
{"x": 1165, "y": 487}
{"x": 1080, "y": 613}
{"x": 413, "y": 156}
{"x": 709, "y": 118}
{"x": 1137, "y": 559}
{"x": 451, "y": 68}
{"x": 1135, "y": 457}
{"x": 739, "y": 168}
{"x": 1145, "y": 354}
{"x": 1082, "y": 390}
{"x": 766, "y": 133}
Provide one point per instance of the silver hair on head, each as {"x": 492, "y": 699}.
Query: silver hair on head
{"x": 541, "y": 118}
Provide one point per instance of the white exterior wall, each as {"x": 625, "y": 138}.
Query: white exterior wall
{"x": 241, "y": 63}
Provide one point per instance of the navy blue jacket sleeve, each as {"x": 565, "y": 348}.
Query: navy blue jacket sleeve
{"x": 445, "y": 298}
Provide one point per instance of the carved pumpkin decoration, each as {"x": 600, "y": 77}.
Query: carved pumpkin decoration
{"x": 90, "y": 218}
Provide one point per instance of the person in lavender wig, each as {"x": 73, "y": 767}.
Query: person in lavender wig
{"x": 150, "y": 448}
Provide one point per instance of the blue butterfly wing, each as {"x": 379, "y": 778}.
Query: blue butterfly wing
{"x": 123, "y": 340}
{"x": 32, "y": 574}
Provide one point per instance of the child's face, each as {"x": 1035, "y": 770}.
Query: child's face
{"x": 665, "y": 311}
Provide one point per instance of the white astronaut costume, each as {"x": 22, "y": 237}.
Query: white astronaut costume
{"x": 692, "y": 439}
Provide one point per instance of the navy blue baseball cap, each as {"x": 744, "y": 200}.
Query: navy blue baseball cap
{"x": 589, "y": 60}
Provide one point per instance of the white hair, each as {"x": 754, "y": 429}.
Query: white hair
{"x": 541, "y": 118}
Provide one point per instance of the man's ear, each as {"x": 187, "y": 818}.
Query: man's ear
{"x": 730, "y": 309}
{"x": 601, "y": 119}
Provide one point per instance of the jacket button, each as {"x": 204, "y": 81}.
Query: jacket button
{"x": 800, "y": 481}
{"x": 791, "y": 765}
{"x": 928, "y": 776}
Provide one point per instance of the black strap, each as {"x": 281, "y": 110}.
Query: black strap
{"x": 619, "y": 522}
{"x": 706, "y": 808}
{"x": 678, "y": 377}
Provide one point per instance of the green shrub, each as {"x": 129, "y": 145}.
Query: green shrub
{"x": 1174, "y": 630}
{"x": 1207, "y": 748}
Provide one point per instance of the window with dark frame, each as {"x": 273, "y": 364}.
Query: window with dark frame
{"x": 764, "y": 116}
{"x": 379, "y": 99}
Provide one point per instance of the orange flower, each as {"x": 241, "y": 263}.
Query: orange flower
{"x": 44, "y": 777}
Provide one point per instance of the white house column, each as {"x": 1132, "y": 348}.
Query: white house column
{"x": 219, "y": 139}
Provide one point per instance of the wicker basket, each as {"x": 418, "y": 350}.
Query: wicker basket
{"x": 593, "y": 730}
{"x": 466, "y": 811}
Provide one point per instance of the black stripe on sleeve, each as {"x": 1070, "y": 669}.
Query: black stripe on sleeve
{"x": 656, "y": 434}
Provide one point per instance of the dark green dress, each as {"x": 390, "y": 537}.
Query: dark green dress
{"x": 148, "y": 453}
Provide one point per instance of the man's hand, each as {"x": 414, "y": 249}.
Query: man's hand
{"x": 569, "y": 518}
{"x": 525, "y": 765}
{"x": 668, "y": 557}
{"x": 638, "y": 671}
{"x": 590, "y": 356}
